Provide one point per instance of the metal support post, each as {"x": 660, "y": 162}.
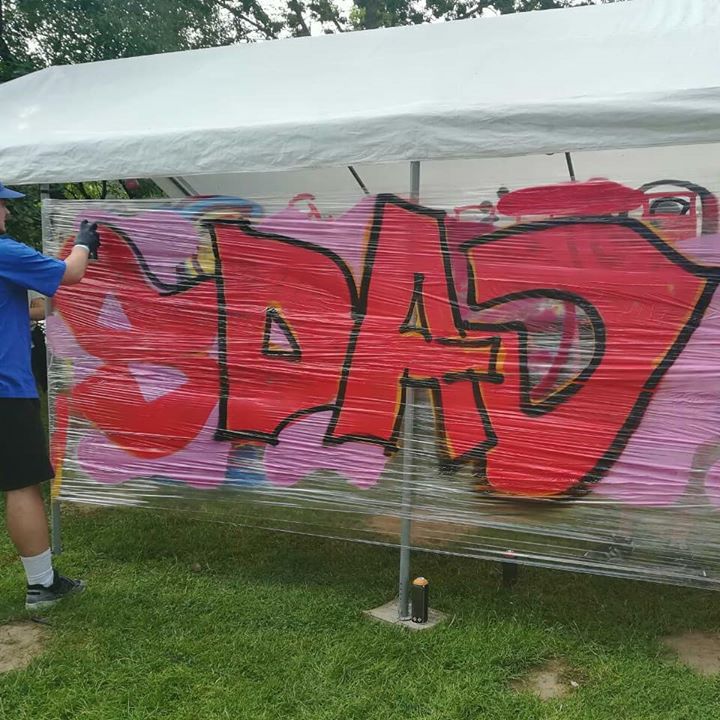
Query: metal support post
{"x": 55, "y": 527}
{"x": 571, "y": 169}
{"x": 408, "y": 472}
{"x": 415, "y": 181}
{"x": 55, "y": 519}
{"x": 408, "y": 468}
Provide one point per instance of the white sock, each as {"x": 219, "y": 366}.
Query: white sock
{"x": 39, "y": 569}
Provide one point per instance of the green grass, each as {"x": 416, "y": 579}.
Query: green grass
{"x": 272, "y": 627}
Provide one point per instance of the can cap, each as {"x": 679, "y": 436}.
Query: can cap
{"x": 420, "y": 581}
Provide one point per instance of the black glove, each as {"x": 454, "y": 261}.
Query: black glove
{"x": 88, "y": 237}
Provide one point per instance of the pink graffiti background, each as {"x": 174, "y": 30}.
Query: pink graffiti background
{"x": 654, "y": 469}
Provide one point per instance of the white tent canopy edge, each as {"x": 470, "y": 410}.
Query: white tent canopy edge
{"x": 635, "y": 74}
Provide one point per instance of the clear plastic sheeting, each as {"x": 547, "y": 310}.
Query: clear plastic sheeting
{"x": 255, "y": 358}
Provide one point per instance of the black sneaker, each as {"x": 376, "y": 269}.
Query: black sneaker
{"x": 39, "y": 597}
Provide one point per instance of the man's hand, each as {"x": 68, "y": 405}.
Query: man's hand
{"x": 88, "y": 237}
{"x": 85, "y": 248}
{"x": 37, "y": 309}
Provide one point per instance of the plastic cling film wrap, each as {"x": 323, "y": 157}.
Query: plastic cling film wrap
{"x": 254, "y": 358}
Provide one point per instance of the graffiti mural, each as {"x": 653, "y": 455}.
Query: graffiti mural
{"x": 567, "y": 351}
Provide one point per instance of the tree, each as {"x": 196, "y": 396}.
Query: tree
{"x": 70, "y": 31}
{"x": 36, "y": 33}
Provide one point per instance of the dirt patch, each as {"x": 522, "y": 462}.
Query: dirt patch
{"x": 551, "y": 680}
{"x": 20, "y": 644}
{"x": 698, "y": 650}
{"x": 422, "y": 533}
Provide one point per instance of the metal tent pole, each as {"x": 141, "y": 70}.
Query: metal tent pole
{"x": 55, "y": 518}
{"x": 415, "y": 181}
{"x": 406, "y": 505}
{"x": 570, "y": 167}
{"x": 408, "y": 466}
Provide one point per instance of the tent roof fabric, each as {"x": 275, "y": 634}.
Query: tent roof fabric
{"x": 638, "y": 73}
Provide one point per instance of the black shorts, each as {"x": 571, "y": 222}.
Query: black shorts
{"x": 24, "y": 458}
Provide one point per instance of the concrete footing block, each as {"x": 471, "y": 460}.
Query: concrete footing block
{"x": 389, "y": 613}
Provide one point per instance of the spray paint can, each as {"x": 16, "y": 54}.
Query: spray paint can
{"x": 419, "y": 600}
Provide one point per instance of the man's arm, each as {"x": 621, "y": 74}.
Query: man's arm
{"x": 32, "y": 270}
{"x": 37, "y": 309}
{"x": 75, "y": 265}
{"x": 86, "y": 243}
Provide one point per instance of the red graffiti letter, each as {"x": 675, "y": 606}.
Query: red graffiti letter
{"x": 143, "y": 333}
{"x": 410, "y": 334}
{"x": 285, "y": 321}
{"x": 643, "y": 306}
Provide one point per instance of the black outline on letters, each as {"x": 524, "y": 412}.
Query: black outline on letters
{"x": 433, "y": 384}
{"x": 709, "y": 274}
{"x": 358, "y": 308}
{"x": 223, "y": 432}
{"x": 417, "y": 302}
{"x": 274, "y": 316}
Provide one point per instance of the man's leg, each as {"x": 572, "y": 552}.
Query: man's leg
{"x": 28, "y": 529}
{"x": 26, "y": 521}
{"x": 24, "y": 461}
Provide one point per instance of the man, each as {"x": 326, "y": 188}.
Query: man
{"x": 24, "y": 459}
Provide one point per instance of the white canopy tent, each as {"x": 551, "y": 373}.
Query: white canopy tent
{"x": 448, "y": 183}
{"x": 631, "y": 89}
{"x": 642, "y": 73}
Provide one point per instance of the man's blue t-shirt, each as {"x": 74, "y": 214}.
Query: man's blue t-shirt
{"x": 21, "y": 269}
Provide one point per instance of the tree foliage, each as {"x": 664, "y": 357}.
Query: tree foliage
{"x": 36, "y": 33}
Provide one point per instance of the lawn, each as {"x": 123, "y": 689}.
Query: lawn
{"x": 188, "y": 619}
